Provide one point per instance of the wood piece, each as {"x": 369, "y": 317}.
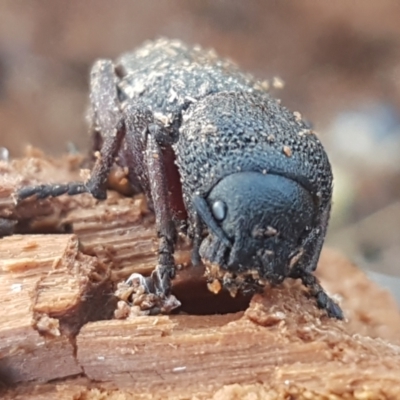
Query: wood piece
{"x": 42, "y": 281}
{"x": 370, "y": 310}
{"x": 35, "y": 170}
{"x": 282, "y": 339}
{"x": 119, "y": 231}
{"x": 281, "y": 345}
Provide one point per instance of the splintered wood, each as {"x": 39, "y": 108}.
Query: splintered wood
{"x": 276, "y": 340}
{"x": 57, "y": 305}
{"x": 120, "y": 231}
{"x": 42, "y": 286}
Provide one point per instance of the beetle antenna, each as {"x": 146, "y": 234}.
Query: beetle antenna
{"x": 53, "y": 190}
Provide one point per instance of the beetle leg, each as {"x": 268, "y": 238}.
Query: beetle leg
{"x": 7, "y": 226}
{"x": 312, "y": 245}
{"x": 308, "y": 263}
{"x": 317, "y": 291}
{"x": 197, "y": 239}
{"x": 143, "y": 151}
{"x": 108, "y": 119}
{"x": 52, "y": 190}
{"x": 165, "y": 270}
{"x": 134, "y": 124}
{"x": 105, "y": 111}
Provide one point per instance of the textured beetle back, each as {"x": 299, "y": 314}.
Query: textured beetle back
{"x": 167, "y": 75}
{"x": 237, "y": 131}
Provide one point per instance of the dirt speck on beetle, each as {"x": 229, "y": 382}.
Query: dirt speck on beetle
{"x": 287, "y": 151}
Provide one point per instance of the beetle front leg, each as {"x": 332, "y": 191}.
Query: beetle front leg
{"x": 165, "y": 270}
{"x": 316, "y": 290}
{"x": 308, "y": 263}
{"x": 157, "y": 287}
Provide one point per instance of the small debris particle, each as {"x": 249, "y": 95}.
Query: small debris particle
{"x": 287, "y": 151}
{"x": 101, "y": 358}
{"x": 304, "y": 132}
{"x": 48, "y": 326}
{"x": 124, "y": 291}
{"x": 137, "y": 89}
{"x": 30, "y": 245}
{"x": 16, "y": 287}
{"x": 260, "y": 316}
{"x": 297, "y": 116}
{"x": 271, "y": 138}
{"x": 33, "y": 152}
{"x": 84, "y": 174}
{"x": 294, "y": 260}
{"x": 179, "y": 369}
{"x": 123, "y": 310}
{"x": 214, "y": 286}
{"x": 121, "y": 173}
{"x": 270, "y": 231}
{"x": 136, "y": 299}
{"x": 173, "y": 96}
{"x": 190, "y": 99}
{"x": 166, "y": 120}
{"x": 4, "y": 154}
{"x": 233, "y": 291}
{"x": 182, "y": 257}
{"x": 278, "y": 83}
{"x": 308, "y": 395}
{"x": 263, "y": 232}
{"x": 209, "y": 129}
{"x": 257, "y": 232}
{"x": 255, "y": 274}
{"x": 265, "y": 85}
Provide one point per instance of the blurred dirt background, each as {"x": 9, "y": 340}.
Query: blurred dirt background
{"x": 340, "y": 61}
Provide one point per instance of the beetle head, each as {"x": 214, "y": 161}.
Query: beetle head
{"x": 255, "y": 221}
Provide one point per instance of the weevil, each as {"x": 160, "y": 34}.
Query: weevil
{"x": 210, "y": 146}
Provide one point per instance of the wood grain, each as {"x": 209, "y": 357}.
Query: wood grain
{"x": 57, "y": 305}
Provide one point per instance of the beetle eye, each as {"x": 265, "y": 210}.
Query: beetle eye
{"x": 219, "y": 210}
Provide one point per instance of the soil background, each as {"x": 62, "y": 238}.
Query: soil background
{"x": 340, "y": 61}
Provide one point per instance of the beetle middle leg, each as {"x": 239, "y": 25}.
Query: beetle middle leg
{"x": 7, "y": 227}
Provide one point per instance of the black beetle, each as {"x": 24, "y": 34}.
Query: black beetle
{"x": 210, "y": 146}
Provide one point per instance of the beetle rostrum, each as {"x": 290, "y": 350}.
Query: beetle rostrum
{"x": 209, "y": 145}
